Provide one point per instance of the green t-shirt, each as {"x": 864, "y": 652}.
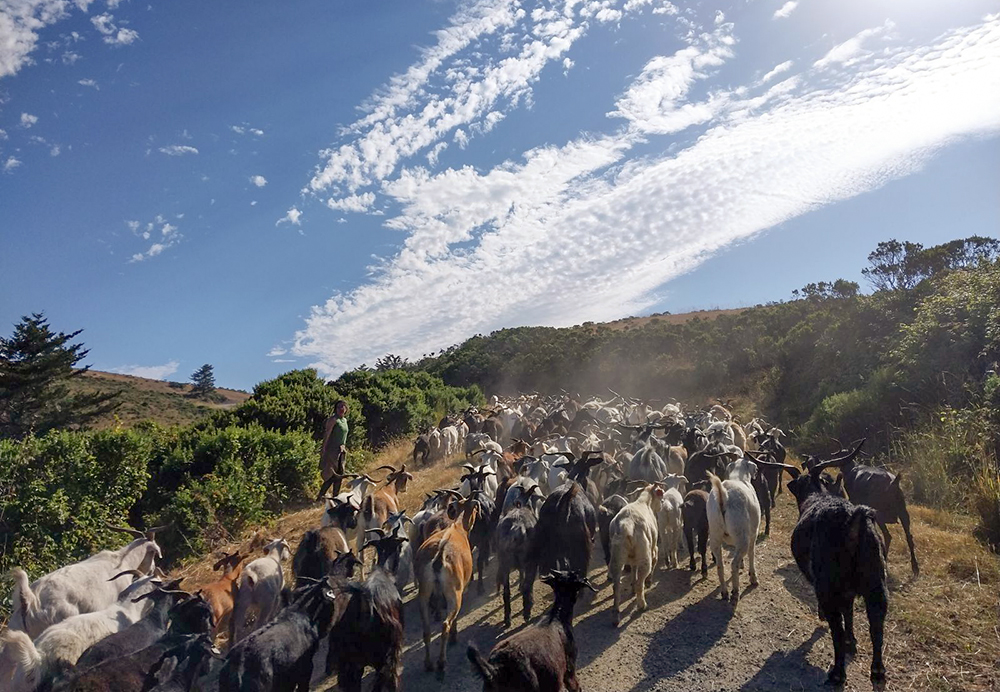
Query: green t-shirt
{"x": 338, "y": 436}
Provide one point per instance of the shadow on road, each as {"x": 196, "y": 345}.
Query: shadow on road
{"x": 781, "y": 666}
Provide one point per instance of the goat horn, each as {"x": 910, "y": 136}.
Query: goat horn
{"x": 124, "y": 529}
{"x": 136, "y": 574}
{"x": 392, "y": 469}
{"x": 455, "y": 493}
{"x": 151, "y": 533}
{"x": 839, "y": 460}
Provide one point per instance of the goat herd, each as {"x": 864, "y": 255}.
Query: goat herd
{"x": 545, "y": 477}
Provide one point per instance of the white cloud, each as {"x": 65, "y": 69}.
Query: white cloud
{"x": 293, "y": 216}
{"x": 256, "y": 132}
{"x": 776, "y": 70}
{"x": 55, "y": 150}
{"x": 113, "y": 34}
{"x": 238, "y": 129}
{"x": 20, "y": 23}
{"x": 785, "y": 10}
{"x": 656, "y": 102}
{"x": 151, "y": 372}
{"x": 258, "y": 180}
{"x": 28, "y": 120}
{"x": 244, "y": 129}
{"x": 352, "y": 203}
{"x": 3, "y": 134}
{"x": 169, "y": 236}
{"x": 10, "y": 164}
{"x": 852, "y": 50}
{"x": 582, "y": 219}
{"x": 89, "y": 83}
{"x": 178, "y": 150}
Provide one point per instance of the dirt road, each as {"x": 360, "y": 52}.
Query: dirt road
{"x": 688, "y": 640}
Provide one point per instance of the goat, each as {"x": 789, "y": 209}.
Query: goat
{"x": 138, "y": 635}
{"x": 182, "y": 666}
{"x": 400, "y": 563}
{"x": 879, "y": 489}
{"x": 670, "y": 520}
{"x": 837, "y": 548}
{"x": 369, "y": 630}
{"x": 540, "y": 658}
{"x": 513, "y": 537}
{"x": 259, "y": 590}
{"x": 634, "y": 543}
{"x": 220, "y": 594}
{"x": 189, "y": 619}
{"x": 443, "y": 565}
{"x": 695, "y": 514}
{"x": 57, "y": 649}
{"x": 279, "y": 655}
{"x": 605, "y": 513}
{"x": 377, "y": 506}
{"x": 566, "y": 528}
{"x": 82, "y": 587}
{"x": 734, "y": 519}
{"x": 317, "y": 552}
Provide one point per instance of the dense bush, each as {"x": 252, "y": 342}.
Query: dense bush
{"x": 400, "y": 402}
{"x": 58, "y": 490}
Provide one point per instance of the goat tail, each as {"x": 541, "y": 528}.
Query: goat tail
{"x": 479, "y": 664}
{"x": 23, "y": 600}
{"x": 368, "y": 508}
{"x": 863, "y": 535}
{"x": 720, "y": 489}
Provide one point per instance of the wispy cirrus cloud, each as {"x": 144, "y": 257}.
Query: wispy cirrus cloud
{"x": 591, "y": 218}
{"x": 151, "y": 372}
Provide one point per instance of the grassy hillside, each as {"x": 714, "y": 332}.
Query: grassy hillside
{"x": 168, "y": 403}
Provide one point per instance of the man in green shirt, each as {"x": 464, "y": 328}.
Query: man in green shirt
{"x": 334, "y": 445}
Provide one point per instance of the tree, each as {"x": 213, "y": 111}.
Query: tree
{"x": 203, "y": 381}
{"x": 36, "y": 366}
{"x": 897, "y": 266}
{"x": 391, "y": 362}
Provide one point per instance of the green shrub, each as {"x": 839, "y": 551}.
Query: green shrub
{"x": 59, "y": 490}
{"x": 986, "y": 503}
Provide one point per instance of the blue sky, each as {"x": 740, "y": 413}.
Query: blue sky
{"x": 264, "y": 186}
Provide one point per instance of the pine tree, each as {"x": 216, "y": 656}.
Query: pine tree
{"x": 36, "y": 366}
{"x": 203, "y": 381}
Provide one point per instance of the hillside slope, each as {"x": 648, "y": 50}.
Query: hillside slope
{"x": 167, "y": 403}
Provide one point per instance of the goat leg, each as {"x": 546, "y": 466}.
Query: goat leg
{"x": 904, "y": 519}
{"x": 506, "y": 598}
{"x": 837, "y": 674}
{"x": 850, "y": 642}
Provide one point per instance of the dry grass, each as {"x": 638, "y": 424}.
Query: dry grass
{"x": 140, "y": 399}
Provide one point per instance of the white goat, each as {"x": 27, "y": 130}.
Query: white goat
{"x": 82, "y": 587}
{"x": 27, "y": 665}
{"x": 670, "y": 518}
{"x": 734, "y": 519}
{"x": 260, "y": 590}
{"x": 634, "y": 539}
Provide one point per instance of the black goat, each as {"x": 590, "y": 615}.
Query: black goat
{"x": 879, "y": 489}
{"x": 540, "y": 658}
{"x": 138, "y": 635}
{"x": 481, "y": 535}
{"x": 771, "y": 444}
{"x": 566, "y": 528}
{"x": 836, "y": 546}
{"x": 762, "y": 486}
{"x": 513, "y": 536}
{"x": 695, "y": 514}
{"x": 698, "y": 465}
{"x": 179, "y": 667}
{"x": 190, "y": 619}
{"x": 369, "y": 632}
{"x": 279, "y": 656}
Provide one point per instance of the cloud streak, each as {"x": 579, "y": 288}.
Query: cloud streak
{"x": 151, "y": 372}
{"x": 588, "y": 218}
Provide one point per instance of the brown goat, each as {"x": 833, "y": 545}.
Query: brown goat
{"x": 378, "y": 505}
{"x": 443, "y": 565}
{"x": 221, "y": 593}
